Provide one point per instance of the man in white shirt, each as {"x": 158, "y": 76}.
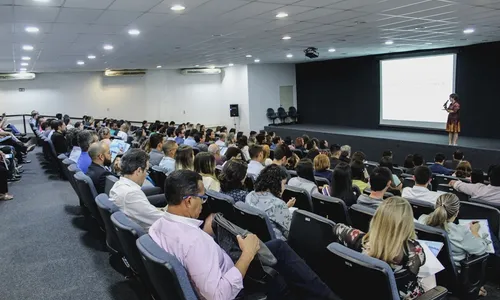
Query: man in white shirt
{"x": 221, "y": 142}
{"x": 422, "y": 176}
{"x": 490, "y": 193}
{"x": 257, "y": 160}
{"x": 126, "y": 193}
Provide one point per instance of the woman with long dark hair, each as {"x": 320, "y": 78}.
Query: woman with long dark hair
{"x": 204, "y": 164}
{"x": 305, "y": 176}
{"x": 232, "y": 179}
{"x": 341, "y": 186}
{"x": 453, "y": 123}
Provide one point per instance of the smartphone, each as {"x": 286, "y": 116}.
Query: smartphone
{"x": 9, "y": 156}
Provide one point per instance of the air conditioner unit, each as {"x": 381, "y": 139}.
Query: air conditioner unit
{"x": 17, "y": 76}
{"x": 113, "y": 73}
{"x": 209, "y": 71}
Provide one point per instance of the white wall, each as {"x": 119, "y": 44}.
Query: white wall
{"x": 264, "y": 81}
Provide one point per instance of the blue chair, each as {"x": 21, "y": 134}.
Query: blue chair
{"x": 88, "y": 193}
{"x": 302, "y": 197}
{"x": 110, "y": 181}
{"x": 72, "y": 170}
{"x": 106, "y": 209}
{"x": 253, "y": 220}
{"x": 168, "y": 276}
{"x": 331, "y": 208}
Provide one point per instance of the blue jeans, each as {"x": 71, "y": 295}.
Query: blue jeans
{"x": 13, "y": 128}
{"x": 295, "y": 280}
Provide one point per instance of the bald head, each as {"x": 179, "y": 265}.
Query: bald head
{"x": 100, "y": 154}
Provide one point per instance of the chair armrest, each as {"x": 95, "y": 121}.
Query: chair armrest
{"x": 436, "y": 293}
{"x": 473, "y": 259}
{"x": 473, "y": 268}
{"x": 153, "y": 190}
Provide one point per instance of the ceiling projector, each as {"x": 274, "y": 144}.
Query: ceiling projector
{"x": 311, "y": 52}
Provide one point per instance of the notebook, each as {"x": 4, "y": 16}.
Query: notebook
{"x": 116, "y": 147}
{"x": 484, "y": 231}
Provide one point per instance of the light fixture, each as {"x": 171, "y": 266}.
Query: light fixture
{"x": 24, "y": 64}
{"x": 212, "y": 67}
{"x": 248, "y": 56}
{"x": 469, "y": 30}
{"x": 428, "y": 43}
{"x": 289, "y": 55}
{"x": 282, "y": 15}
{"x": 31, "y": 29}
{"x": 197, "y": 65}
{"x": 42, "y": 1}
{"x": 28, "y": 48}
{"x": 91, "y": 56}
{"x": 107, "y": 47}
{"x": 389, "y": 42}
{"x": 25, "y": 58}
{"x": 257, "y": 60}
{"x": 22, "y": 69}
{"x": 134, "y": 32}
{"x": 286, "y": 37}
{"x": 331, "y": 50}
{"x": 80, "y": 63}
{"x": 230, "y": 65}
{"x": 177, "y": 7}
{"x": 158, "y": 67}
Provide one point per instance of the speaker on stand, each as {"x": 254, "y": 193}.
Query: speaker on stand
{"x": 234, "y": 113}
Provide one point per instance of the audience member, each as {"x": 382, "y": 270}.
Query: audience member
{"x": 85, "y": 139}
{"x": 305, "y": 139}
{"x": 98, "y": 169}
{"x": 392, "y": 239}
{"x": 266, "y": 197}
{"x": 463, "y": 170}
{"x": 230, "y": 140}
{"x": 232, "y": 179}
{"x": 380, "y": 181}
{"x": 387, "y": 153}
{"x": 321, "y": 167}
{"x": 288, "y": 142}
{"x": 341, "y": 186}
{"x": 359, "y": 156}
{"x": 190, "y": 141}
{"x": 204, "y": 164}
{"x": 67, "y": 122}
{"x": 184, "y": 158}
{"x": 243, "y": 145}
{"x": 437, "y": 167}
{"x": 396, "y": 184}
{"x": 257, "y": 160}
{"x": 458, "y": 156}
{"x": 200, "y": 142}
{"x": 490, "y": 192}
{"x": 408, "y": 164}
{"x": 358, "y": 175}
{"x": 323, "y": 145}
{"x": 334, "y": 155}
{"x": 179, "y": 136}
{"x": 167, "y": 163}
{"x": 58, "y": 139}
{"x": 477, "y": 176}
{"x": 418, "y": 160}
{"x": 267, "y": 152}
{"x": 221, "y": 142}
{"x": 215, "y": 151}
{"x": 156, "y": 145}
{"x": 105, "y": 135}
{"x": 311, "y": 154}
{"x": 276, "y": 141}
{"x": 4, "y": 182}
{"x": 299, "y": 144}
{"x": 420, "y": 191}
{"x": 171, "y": 134}
{"x": 123, "y": 133}
{"x": 305, "y": 177}
{"x": 72, "y": 139}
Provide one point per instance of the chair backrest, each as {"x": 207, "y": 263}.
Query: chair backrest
{"x": 398, "y": 171}
{"x": 292, "y": 110}
{"x": 72, "y": 170}
{"x": 249, "y": 182}
{"x": 253, "y": 220}
{"x": 158, "y": 177}
{"x": 292, "y": 173}
{"x": 309, "y": 236}
{"x": 168, "y": 276}
{"x": 196, "y": 150}
{"x": 299, "y": 152}
{"x": 420, "y": 207}
{"x": 218, "y": 202}
{"x": 361, "y": 216}
{"x": 370, "y": 166}
{"x": 270, "y": 111}
{"x": 88, "y": 194}
{"x": 481, "y": 210}
{"x": 110, "y": 181}
{"x": 303, "y": 200}
{"x": 408, "y": 182}
{"x": 448, "y": 189}
{"x": 65, "y": 164}
{"x": 321, "y": 181}
{"x": 106, "y": 209}
{"x": 368, "y": 191}
{"x": 281, "y": 112}
{"x": 331, "y": 208}
{"x": 351, "y": 266}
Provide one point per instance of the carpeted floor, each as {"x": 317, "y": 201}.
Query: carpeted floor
{"x": 46, "y": 251}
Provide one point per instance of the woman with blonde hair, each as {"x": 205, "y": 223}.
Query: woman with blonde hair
{"x": 464, "y": 170}
{"x": 267, "y": 153}
{"x": 391, "y": 238}
{"x": 204, "y": 164}
{"x": 184, "y": 158}
{"x": 321, "y": 166}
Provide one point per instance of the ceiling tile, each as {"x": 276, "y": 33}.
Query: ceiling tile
{"x": 78, "y": 15}
{"x": 134, "y": 5}
{"x": 149, "y": 20}
{"x": 93, "y": 4}
{"x": 314, "y": 14}
{"x": 6, "y": 14}
{"x": 316, "y": 3}
{"x": 35, "y": 14}
{"x": 118, "y": 17}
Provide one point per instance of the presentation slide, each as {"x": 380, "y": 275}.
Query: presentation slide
{"x": 413, "y": 90}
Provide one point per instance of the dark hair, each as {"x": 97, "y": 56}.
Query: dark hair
{"x": 334, "y": 148}
{"x": 155, "y": 139}
{"x": 379, "y": 178}
{"x": 305, "y": 137}
{"x": 282, "y": 151}
{"x": 494, "y": 174}
{"x": 72, "y": 138}
{"x": 133, "y": 160}
{"x": 233, "y": 152}
{"x": 477, "y": 176}
{"x": 232, "y": 175}
{"x": 305, "y": 169}
{"x": 357, "y": 170}
{"x": 204, "y": 162}
{"x": 439, "y": 157}
{"x": 408, "y": 162}
{"x": 310, "y": 145}
{"x": 341, "y": 185}
{"x": 233, "y": 130}
{"x": 59, "y": 116}
{"x": 55, "y": 124}
{"x": 187, "y": 132}
{"x": 172, "y": 123}
{"x": 418, "y": 160}
{"x": 260, "y": 138}
{"x": 255, "y": 150}
{"x": 270, "y": 179}
{"x": 454, "y": 96}
{"x": 197, "y": 138}
{"x": 179, "y": 184}
{"x": 422, "y": 174}
{"x": 66, "y": 119}
{"x": 288, "y": 141}
{"x": 242, "y": 141}
{"x": 359, "y": 156}
{"x": 322, "y": 144}
{"x": 387, "y": 153}
{"x": 239, "y": 134}
{"x": 84, "y": 139}
{"x": 458, "y": 155}
{"x": 184, "y": 157}
{"x": 276, "y": 139}
{"x": 44, "y": 125}
{"x": 178, "y": 131}
{"x": 311, "y": 154}
{"x": 386, "y": 161}
{"x": 253, "y": 132}
{"x": 271, "y": 133}
{"x": 170, "y": 131}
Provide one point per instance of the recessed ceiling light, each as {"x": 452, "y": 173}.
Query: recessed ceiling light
{"x": 197, "y": 65}
{"x": 177, "y": 7}
{"x": 22, "y": 70}
{"x": 24, "y": 64}
{"x": 31, "y": 29}
{"x": 134, "y": 32}
{"x": 42, "y": 1}
{"x": 248, "y": 56}
{"x": 25, "y": 58}
{"x": 282, "y": 15}
{"x": 289, "y": 55}
{"x": 257, "y": 60}
{"x": 428, "y": 43}
{"x": 158, "y": 67}
{"x": 230, "y": 65}
{"x": 469, "y": 30}
{"x": 331, "y": 50}
{"x": 81, "y": 63}
{"x": 28, "y": 47}
{"x": 286, "y": 37}
{"x": 107, "y": 47}
{"x": 91, "y": 57}
{"x": 212, "y": 67}
{"x": 389, "y": 42}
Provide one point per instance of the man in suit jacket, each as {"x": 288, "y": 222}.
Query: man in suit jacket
{"x": 57, "y": 138}
{"x": 98, "y": 169}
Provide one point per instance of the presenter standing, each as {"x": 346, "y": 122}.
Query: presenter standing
{"x": 453, "y": 124}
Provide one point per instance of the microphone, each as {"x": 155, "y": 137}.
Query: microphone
{"x": 445, "y": 104}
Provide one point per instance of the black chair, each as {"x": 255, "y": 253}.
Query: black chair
{"x": 331, "y": 208}
{"x": 158, "y": 177}
{"x": 420, "y": 207}
{"x": 249, "y": 182}
{"x": 253, "y": 220}
{"x": 106, "y": 209}
{"x": 368, "y": 191}
{"x": 321, "y": 181}
{"x": 293, "y": 114}
{"x": 443, "y": 179}
{"x": 88, "y": 194}
{"x": 303, "y": 200}
{"x": 271, "y": 115}
{"x": 448, "y": 189}
{"x": 72, "y": 170}
{"x": 408, "y": 182}
{"x": 299, "y": 152}
{"x": 464, "y": 284}
{"x": 218, "y": 202}
{"x": 478, "y": 209}
{"x": 398, "y": 171}
{"x": 66, "y": 163}
{"x": 61, "y": 166}
{"x": 361, "y": 216}
{"x": 282, "y": 115}
{"x": 309, "y": 236}
{"x": 271, "y": 153}
{"x": 110, "y": 181}
{"x": 376, "y": 275}
{"x": 218, "y": 170}
{"x": 292, "y": 173}
{"x": 370, "y": 166}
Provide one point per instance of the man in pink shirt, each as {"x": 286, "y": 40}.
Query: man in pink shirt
{"x": 211, "y": 271}
{"x": 490, "y": 192}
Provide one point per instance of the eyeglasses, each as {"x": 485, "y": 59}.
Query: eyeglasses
{"x": 203, "y": 198}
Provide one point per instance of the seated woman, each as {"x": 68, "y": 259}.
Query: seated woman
{"x": 396, "y": 184}
{"x": 464, "y": 170}
{"x": 292, "y": 161}
{"x": 321, "y": 166}
{"x": 204, "y": 164}
{"x": 299, "y": 144}
{"x": 305, "y": 177}
{"x": 391, "y": 238}
{"x": 105, "y": 135}
{"x": 408, "y": 164}
{"x": 358, "y": 175}
{"x": 184, "y": 158}
{"x": 267, "y": 152}
{"x": 341, "y": 186}
{"x": 268, "y": 189}
{"x": 243, "y": 145}
{"x": 232, "y": 179}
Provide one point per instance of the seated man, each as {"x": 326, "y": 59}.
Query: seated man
{"x": 380, "y": 181}
{"x": 215, "y": 150}
{"x": 101, "y": 159}
{"x": 437, "y": 167}
{"x": 190, "y": 141}
{"x": 221, "y": 142}
{"x": 256, "y": 163}
{"x": 211, "y": 270}
{"x": 156, "y": 144}
{"x": 490, "y": 192}
{"x": 458, "y": 156}
{"x": 126, "y": 193}
{"x": 419, "y": 191}
{"x": 58, "y": 139}
{"x": 200, "y": 142}
{"x": 418, "y": 160}
{"x": 179, "y": 136}
{"x": 85, "y": 139}
{"x": 168, "y": 161}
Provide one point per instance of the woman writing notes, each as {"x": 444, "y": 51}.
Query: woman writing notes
{"x": 453, "y": 124}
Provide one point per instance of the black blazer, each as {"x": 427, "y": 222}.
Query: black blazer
{"x": 59, "y": 142}
{"x": 98, "y": 175}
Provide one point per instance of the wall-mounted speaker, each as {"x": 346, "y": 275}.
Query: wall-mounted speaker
{"x": 233, "y": 110}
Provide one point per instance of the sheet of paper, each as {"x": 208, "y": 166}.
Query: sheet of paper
{"x": 116, "y": 147}
{"x": 435, "y": 247}
{"x": 484, "y": 231}
{"x": 432, "y": 264}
